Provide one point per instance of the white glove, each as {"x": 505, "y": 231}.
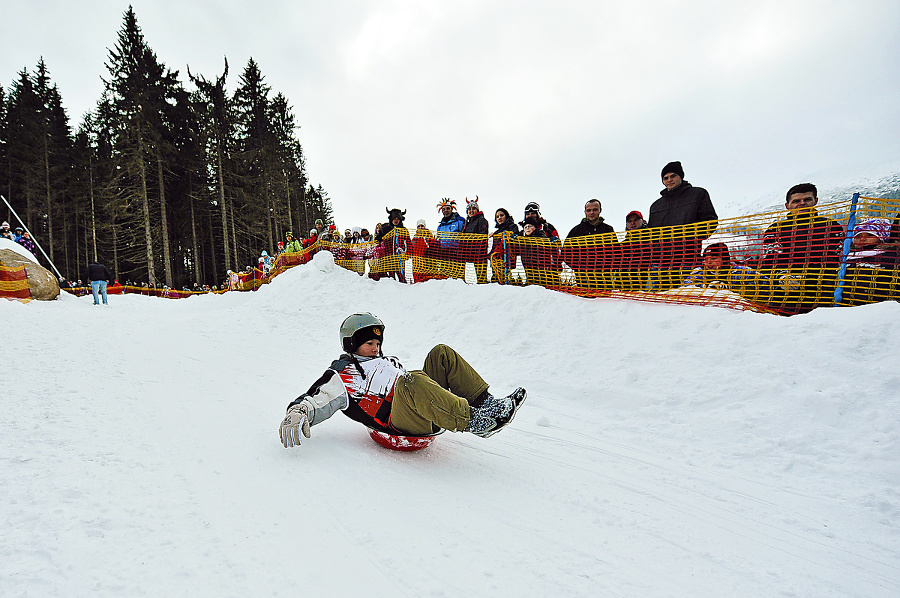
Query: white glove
{"x": 295, "y": 421}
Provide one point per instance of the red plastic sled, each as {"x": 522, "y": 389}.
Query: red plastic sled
{"x": 397, "y": 442}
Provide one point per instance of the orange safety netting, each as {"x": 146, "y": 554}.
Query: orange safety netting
{"x": 775, "y": 262}
{"x": 14, "y": 283}
{"x": 138, "y": 290}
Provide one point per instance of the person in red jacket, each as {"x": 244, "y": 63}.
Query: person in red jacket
{"x": 421, "y": 244}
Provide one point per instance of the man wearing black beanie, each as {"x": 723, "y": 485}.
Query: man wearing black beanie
{"x": 680, "y": 204}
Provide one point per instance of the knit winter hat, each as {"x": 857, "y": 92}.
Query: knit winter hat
{"x": 319, "y": 221}
{"x": 5, "y": 224}
{"x": 880, "y": 227}
{"x": 422, "y": 222}
{"x": 446, "y": 201}
{"x": 673, "y": 167}
{"x": 364, "y": 335}
{"x": 532, "y": 221}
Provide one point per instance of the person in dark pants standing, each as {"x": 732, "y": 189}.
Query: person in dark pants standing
{"x": 98, "y": 275}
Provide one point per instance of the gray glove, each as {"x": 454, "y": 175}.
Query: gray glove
{"x": 295, "y": 421}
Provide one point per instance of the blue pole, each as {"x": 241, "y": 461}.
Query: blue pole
{"x": 848, "y": 241}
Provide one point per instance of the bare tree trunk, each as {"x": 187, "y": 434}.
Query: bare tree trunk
{"x": 93, "y": 213}
{"x": 145, "y": 205}
{"x": 306, "y": 210}
{"x": 86, "y": 258}
{"x": 164, "y": 223}
{"x": 48, "y": 198}
{"x": 234, "y": 237}
{"x": 269, "y": 212}
{"x": 287, "y": 191}
{"x": 115, "y": 240}
{"x": 198, "y": 270}
{"x": 78, "y": 246}
{"x": 222, "y": 204}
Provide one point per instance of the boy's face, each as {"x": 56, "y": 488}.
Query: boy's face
{"x": 369, "y": 348}
{"x": 528, "y": 228}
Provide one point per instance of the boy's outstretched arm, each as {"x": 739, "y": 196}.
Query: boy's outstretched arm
{"x": 324, "y": 398}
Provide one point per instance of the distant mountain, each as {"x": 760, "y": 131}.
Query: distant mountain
{"x": 833, "y": 186}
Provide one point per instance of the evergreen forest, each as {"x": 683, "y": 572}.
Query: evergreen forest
{"x": 165, "y": 181}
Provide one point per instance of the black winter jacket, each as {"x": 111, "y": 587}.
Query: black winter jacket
{"x": 97, "y": 271}
{"x": 508, "y": 225}
{"x": 585, "y": 228}
{"x": 685, "y": 204}
{"x": 478, "y": 224}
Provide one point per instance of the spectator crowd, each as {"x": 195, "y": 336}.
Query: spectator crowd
{"x": 797, "y": 264}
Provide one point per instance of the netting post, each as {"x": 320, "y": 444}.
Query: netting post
{"x": 848, "y": 242}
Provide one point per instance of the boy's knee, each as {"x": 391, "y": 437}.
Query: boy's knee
{"x": 438, "y": 350}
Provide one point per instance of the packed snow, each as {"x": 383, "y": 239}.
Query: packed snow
{"x": 664, "y": 450}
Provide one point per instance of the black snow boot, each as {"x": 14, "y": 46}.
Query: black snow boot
{"x": 494, "y": 414}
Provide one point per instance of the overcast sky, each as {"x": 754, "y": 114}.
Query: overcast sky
{"x": 403, "y": 102}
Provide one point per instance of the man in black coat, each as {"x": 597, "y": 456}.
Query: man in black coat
{"x": 680, "y": 202}
{"x": 98, "y": 275}
{"x": 592, "y": 260}
{"x": 682, "y": 205}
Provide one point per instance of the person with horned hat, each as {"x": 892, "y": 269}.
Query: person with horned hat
{"x": 393, "y": 243}
{"x": 378, "y": 392}
{"x": 450, "y": 263}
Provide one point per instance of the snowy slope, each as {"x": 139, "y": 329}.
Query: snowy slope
{"x": 663, "y": 451}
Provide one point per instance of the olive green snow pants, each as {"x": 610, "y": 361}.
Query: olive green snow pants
{"x": 437, "y": 396}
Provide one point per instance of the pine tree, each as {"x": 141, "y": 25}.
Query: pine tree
{"x": 23, "y": 143}
{"x": 55, "y": 149}
{"x": 214, "y": 109}
{"x": 139, "y": 88}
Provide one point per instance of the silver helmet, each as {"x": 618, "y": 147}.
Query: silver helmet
{"x": 353, "y": 326}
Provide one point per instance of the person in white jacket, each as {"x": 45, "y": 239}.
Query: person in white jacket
{"x": 380, "y": 393}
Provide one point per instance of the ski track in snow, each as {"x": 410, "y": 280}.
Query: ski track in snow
{"x": 663, "y": 450}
